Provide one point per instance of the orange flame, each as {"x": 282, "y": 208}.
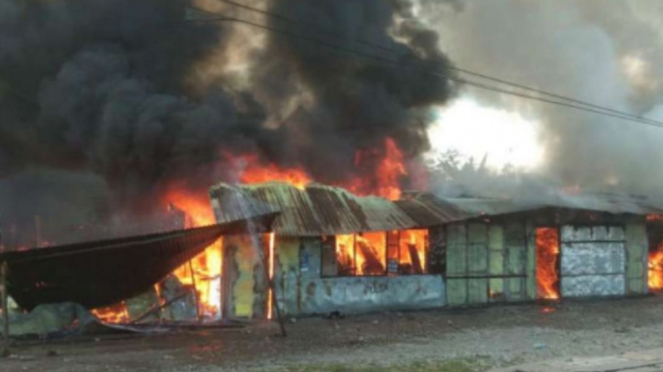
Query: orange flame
{"x": 655, "y": 273}
{"x": 384, "y": 180}
{"x": 270, "y": 293}
{"x": 413, "y": 250}
{"x": 255, "y": 172}
{"x": 547, "y": 253}
{"x": 367, "y": 253}
{"x": 382, "y": 171}
{"x": 371, "y": 254}
{"x": 207, "y": 265}
{"x": 118, "y": 313}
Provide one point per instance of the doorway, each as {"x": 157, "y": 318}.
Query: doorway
{"x": 547, "y": 263}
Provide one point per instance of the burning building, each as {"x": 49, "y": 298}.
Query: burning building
{"x": 330, "y": 251}
{"x": 334, "y": 251}
{"x": 508, "y": 251}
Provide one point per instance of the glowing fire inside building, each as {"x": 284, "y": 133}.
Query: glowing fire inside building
{"x": 547, "y": 253}
{"x": 366, "y": 254}
{"x": 339, "y": 247}
{"x": 655, "y": 273}
{"x": 378, "y": 253}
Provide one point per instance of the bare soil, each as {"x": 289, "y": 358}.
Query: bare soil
{"x": 445, "y": 340}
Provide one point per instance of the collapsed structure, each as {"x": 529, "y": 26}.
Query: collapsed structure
{"x": 334, "y": 251}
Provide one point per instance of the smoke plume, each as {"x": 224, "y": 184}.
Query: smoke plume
{"x": 606, "y": 53}
{"x": 137, "y": 97}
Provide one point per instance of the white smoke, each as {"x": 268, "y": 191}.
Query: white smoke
{"x": 600, "y": 52}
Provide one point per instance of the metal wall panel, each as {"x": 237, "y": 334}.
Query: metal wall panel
{"x": 597, "y": 258}
{"x": 456, "y": 264}
{"x": 593, "y": 261}
{"x": 287, "y": 271}
{"x": 515, "y": 246}
{"x": 637, "y": 259}
{"x": 496, "y": 262}
{"x": 247, "y": 284}
{"x": 592, "y": 233}
{"x": 593, "y": 285}
{"x": 530, "y": 259}
{"x": 365, "y": 294}
{"x": 477, "y": 261}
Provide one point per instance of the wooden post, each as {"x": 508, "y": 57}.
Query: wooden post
{"x": 276, "y": 306}
{"x": 270, "y": 280}
{"x": 195, "y": 291}
{"x": 5, "y": 310}
{"x": 223, "y": 290}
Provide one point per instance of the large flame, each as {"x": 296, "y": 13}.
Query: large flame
{"x": 547, "y": 253}
{"x": 655, "y": 274}
{"x": 206, "y": 266}
{"x": 381, "y": 172}
{"x": 371, "y": 254}
{"x": 271, "y": 267}
{"x": 255, "y": 172}
{"x": 380, "y": 253}
{"x": 383, "y": 181}
{"x": 117, "y": 313}
{"x": 381, "y": 169}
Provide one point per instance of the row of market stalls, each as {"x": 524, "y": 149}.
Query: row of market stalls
{"x": 333, "y": 251}
{"x": 321, "y": 250}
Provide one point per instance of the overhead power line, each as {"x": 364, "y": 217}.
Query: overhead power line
{"x": 569, "y": 101}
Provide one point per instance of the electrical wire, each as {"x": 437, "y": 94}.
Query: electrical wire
{"x": 572, "y": 103}
{"x": 451, "y": 67}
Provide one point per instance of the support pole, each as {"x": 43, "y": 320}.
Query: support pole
{"x": 195, "y": 291}
{"x": 278, "y": 311}
{"x": 223, "y": 282}
{"x": 269, "y": 271}
{"x": 4, "y": 269}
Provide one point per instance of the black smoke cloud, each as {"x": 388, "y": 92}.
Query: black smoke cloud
{"x": 102, "y": 88}
{"x": 357, "y": 102}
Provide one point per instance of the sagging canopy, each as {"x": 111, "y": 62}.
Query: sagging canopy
{"x": 102, "y": 273}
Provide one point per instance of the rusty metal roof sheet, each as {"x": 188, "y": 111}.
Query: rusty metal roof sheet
{"x": 327, "y": 210}
{"x": 428, "y": 210}
{"x": 317, "y": 210}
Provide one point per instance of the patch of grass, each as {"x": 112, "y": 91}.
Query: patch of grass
{"x": 449, "y": 366}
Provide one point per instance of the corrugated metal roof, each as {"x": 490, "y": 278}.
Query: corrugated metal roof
{"x": 428, "y": 210}
{"x": 327, "y": 210}
{"x": 612, "y": 203}
{"x": 315, "y": 211}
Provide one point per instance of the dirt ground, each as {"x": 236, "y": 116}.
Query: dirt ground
{"x": 459, "y": 340}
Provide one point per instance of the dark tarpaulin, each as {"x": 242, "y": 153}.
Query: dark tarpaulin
{"x": 102, "y": 273}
